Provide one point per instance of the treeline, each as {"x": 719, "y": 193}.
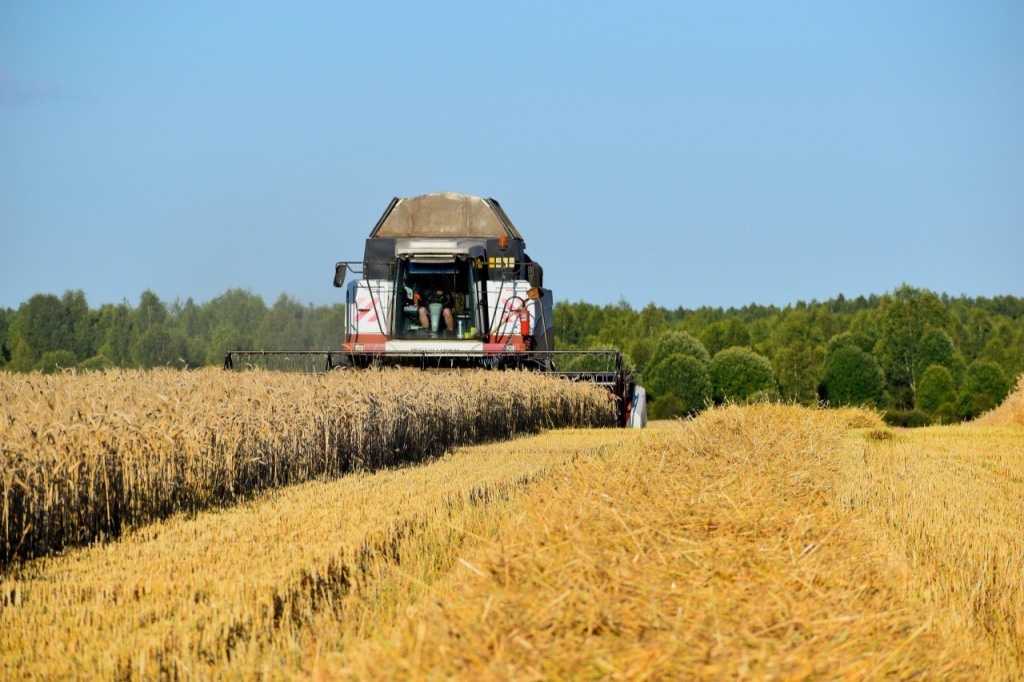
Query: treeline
{"x": 49, "y": 333}
{"x": 918, "y": 355}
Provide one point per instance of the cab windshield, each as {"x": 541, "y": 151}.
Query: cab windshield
{"x": 435, "y": 300}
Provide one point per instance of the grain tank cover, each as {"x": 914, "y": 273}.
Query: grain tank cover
{"x": 444, "y": 215}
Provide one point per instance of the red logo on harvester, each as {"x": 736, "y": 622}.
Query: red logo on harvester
{"x": 366, "y": 307}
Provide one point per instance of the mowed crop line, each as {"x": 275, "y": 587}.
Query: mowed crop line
{"x": 231, "y": 589}
{"x": 82, "y": 457}
{"x": 750, "y": 542}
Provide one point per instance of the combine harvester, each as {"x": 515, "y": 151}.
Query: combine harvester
{"x": 445, "y": 282}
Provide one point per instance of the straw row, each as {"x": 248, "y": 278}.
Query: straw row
{"x": 757, "y": 542}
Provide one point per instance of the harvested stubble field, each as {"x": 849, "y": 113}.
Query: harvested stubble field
{"x": 754, "y": 542}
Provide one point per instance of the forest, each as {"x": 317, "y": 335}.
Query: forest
{"x": 919, "y": 356}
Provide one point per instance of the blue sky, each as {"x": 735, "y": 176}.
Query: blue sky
{"x": 687, "y": 154}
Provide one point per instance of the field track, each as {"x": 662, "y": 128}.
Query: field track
{"x": 751, "y": 542}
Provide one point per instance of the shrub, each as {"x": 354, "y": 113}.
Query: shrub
{"x": 96, "y": 362}
{"x": 985, "y": 386}
{"x": 680, "y": 343}
{"x": 970, "y": 405}
{"x": 986, "y": 377}
{"x": 740, "y": 373}
{"x": 906, "y": 418}
{"x": 852, "y": 377}
{"x": 667, "y": 406}
{"x": 935, "y": 388}
{"x": 56, "y": 360}
{"x": 945, "y": 414}
{"x": 685, "y": 377}
{"x": 1011, "y": 410}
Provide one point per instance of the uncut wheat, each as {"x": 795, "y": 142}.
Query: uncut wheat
{"x": 82, "y": 456}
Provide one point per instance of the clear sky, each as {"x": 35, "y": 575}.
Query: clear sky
{"x": 685, "y": 153}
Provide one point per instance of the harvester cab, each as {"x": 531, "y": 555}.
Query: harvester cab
{"x": 445, "y": 275}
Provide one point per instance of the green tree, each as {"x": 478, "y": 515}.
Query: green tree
{"x": 652, "y": 321}
{"x": 328, "y": 326}
{"x": 151, "y": 312}
{"x": 852, "y": 377}
{"x": 619, "y": 326}
{"x": 190, "y": 318}
{"x": 824, "y": 324}
{"x": 6, "y": 316}
{"x": 80, "y": 323}
{"x": 860, "y": 340}
{"x": 684, "y": 376}
{"x": 796, "y": 367}
{"x": 727, "y": 333}
{"x": 41, "y": 325}
{"x": 976, "y": 330}
{"x": 794, "y": 326}
{"x": 945, "y": 414}
{"x": 903, "y": 318}
{"x": 575, "y": 323}
{"x": 46, "y": 324}
{"x": 795, "y": 354}
{"x": 985, "y": 386}
{"x": 680, "y": 343}
{"x": 118, "y": 332}
{"x": 760, "y": 332}
{"x": 23, "y": 358}
{"x": 226, "y": 338}
{"x": 667, "y": 407}
{"x": 739, "y": 373}
{"x": 864, "y": 322}
{"x": 285, "y": 326}
{"x": 55, "y": 360}
{"x": 160, "y": 345}
{"x": 1002, "y": 347}
{"x": 1015, "y": 353}
{"x": 641, "y": 351}
{"x": 935, "y": 388}
{"x": 934, "y": 348}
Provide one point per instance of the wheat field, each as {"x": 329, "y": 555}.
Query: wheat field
{"x": 765, "y": 541}
{"x": 84, "y": 456}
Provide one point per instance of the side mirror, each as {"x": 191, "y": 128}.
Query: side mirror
{"x": 339, "y": 274}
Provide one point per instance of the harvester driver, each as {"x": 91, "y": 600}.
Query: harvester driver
{"x": 434, "y": 293}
